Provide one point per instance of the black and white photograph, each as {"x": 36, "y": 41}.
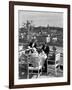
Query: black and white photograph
{"x": 40, "y": 44}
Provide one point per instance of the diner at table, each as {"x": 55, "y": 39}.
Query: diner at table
{"x": 39, "y": 55}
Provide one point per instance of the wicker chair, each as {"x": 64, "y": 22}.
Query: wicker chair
{"x": 35, "y": 65}
{"x": 53, "y": 62}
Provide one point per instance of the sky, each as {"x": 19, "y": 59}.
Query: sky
{"x": 41, "y": 18}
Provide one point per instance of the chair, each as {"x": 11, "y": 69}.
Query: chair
{"x": 34, "y": 66}
{"x": 53, "y": 62}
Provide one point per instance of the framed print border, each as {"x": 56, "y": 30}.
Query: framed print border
{"x": 11, "y": 43}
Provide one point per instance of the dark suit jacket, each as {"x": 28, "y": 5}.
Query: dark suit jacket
{"x": 46, "y": 50}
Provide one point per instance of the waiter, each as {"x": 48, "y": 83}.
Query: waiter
{"x": 48, "y": 39}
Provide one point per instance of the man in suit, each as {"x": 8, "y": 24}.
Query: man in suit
{"x": 45, "y": 48}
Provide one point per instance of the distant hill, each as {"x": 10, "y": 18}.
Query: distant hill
{"x": 39, "y": 29}
{"x": 44, "y": 31}
{"x": 48, "y": 30}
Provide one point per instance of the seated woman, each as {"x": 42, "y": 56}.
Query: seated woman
{"x": 40, "y": 55}
{"x": 32, "y": 44}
